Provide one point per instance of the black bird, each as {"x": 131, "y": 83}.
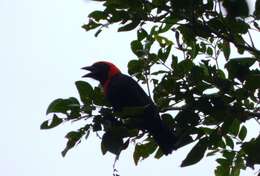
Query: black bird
{"x": 123, "y": 91}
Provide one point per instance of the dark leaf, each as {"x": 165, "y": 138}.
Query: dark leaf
{"x": 236, "y": 8}
{"x": 135, "y": 66}
{"x": 73, "y": 138}
{"x": 158, "y": 154}
{"x": 85, "y": 91}
{"x": 196, "y": 153}
{"x": 112, "y": 142}
{"x": 184, "y": 67}
{"x": 143, "y": 151}
{"x": 239, "y": 67}
{"x": 137, "y": 48}
{"x": 63, "y": 105}
{"x": 257, "y": 9}
{"x": 90, "y": 25}
{"x": 54, "y": 122}
{"x": 242, "y": 133}
{"x": 250, "y": 149}
{"x": 99, "y": 98}
{"x": 141, "y": 34}
{"x": 226, "y": 49}
{"x": 130, "y": 26}
{"x": 98, "y": 15}
{"x": 253, "y": 81}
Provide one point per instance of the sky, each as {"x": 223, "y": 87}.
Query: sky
{"x": 43, "y": 48}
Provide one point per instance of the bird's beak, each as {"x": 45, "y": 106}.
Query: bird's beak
{"x": 91, "y": 73}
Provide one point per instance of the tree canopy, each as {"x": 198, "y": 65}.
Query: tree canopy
{"x": 183, "y": 54}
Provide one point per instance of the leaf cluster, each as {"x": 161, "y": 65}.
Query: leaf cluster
{"x": 184, "y": 52}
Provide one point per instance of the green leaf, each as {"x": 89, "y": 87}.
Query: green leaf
{"x": 90, "y": 25}
{"x": 98, "y": 15}
{"x": 184, "y": 67}
{"x": 135, "y": 66}
{"x": 54, "y": 122}
{"x": 141, "y": 34}
{"x": 234, "y": 128}
{"x": 73, "y": 138}
{"x": 236, "y": 8}
{"x": 229, "y": 155}
{"x": 163, "y": 53}
{"x": 253, "y": 81}
{"x": 196, "y": 153}
{"x": 85, "y": 91}
{"x": 112, "y": 142}
{"x": 257, "y": 9}
{"x": 137, "y": 48}
{"x": 229, "y": 141}
{"x": 251, "y": 148}
{"x": 158, "y": 154}
{"x": 130, "y": 26}
{"x": 99, "y": 98}
{"x": 226, "y": 49}
{"x": 242, "y": 133}
{"x": 209, "y": 51}
{"x": 222, "y": 170}
{"x": 239, "y": 67}
{"x": 63, "y": 105}
{"x": 143, "y": 151}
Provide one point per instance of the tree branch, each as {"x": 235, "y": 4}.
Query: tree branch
{"x": 173, "y": 109}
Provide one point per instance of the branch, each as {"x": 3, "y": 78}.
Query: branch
{"x": 173, "y": 109}
{"x": 254, "y": 114}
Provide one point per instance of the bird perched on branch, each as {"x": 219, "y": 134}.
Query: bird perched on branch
{"x": 123, "y": 91}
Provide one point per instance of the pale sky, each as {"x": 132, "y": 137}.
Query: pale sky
{"x": 43, "y": 48}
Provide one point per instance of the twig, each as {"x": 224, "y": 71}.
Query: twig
{"x": 250, "y": 37}
{"x": 173, "y": 109}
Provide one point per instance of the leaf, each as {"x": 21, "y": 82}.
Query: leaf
{"x": 196, "y": 153}
{"x": 222, "y": 170}
{"x": 163, "y": 53}
{"x": 85, "y": 91}
{"x": 135, "y": 66}
{"x": 158, "y": 154}
{"x": 137, "y": 48}
{"x": 73, "y": 138}
{"x": 63, "y": 105}
{"x": 54, "y": 122}
{"x": 239, "y": 67}
{"x": 242, "y": 133}
{"x": 99, "y": 98}
{"x": 90, "y": 25}
{"x": 257, "y": 9}
{"x": 251, "y": 148}
{"x": 236, "y": 8}
{"x": 229, "y": 155}
{"x": 141, "y": 34}
{"x": 112, "y": 142}
{"x": 143, "y": 151}
{"x": 234, "y": 128}
{"x": 184, "y": 67}
{"x": 253, "y": 81}
{"x": 226, "y": 49}
{"x": 98, "y": 15}
{"x": 130, "y": 26}
{"x": 229, "y": 141}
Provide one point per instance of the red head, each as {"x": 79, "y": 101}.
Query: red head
{"x": 102, "y": 71}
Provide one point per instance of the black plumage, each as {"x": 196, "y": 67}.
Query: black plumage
{"x": 123, "y": 91}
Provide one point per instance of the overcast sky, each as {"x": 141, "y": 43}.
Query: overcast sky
{"x": 43, "y": 48}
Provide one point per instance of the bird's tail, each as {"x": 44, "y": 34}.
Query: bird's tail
{"x": 163, "y": 137}
{"x": 162, "y": 134}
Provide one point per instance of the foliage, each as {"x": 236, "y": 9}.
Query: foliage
{"x": 214, "y": 95}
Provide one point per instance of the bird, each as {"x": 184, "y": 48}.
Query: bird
{"x": 122, "y": 91}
